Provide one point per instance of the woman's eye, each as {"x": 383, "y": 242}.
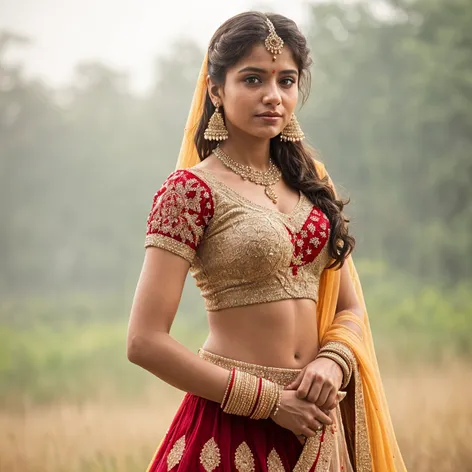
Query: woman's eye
{"x": 288, "y": 81}
{"x": 252, "y": 80}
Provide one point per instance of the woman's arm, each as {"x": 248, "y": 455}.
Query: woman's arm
{"x": 149, "y": 344}
{"x": 348, "y": 301}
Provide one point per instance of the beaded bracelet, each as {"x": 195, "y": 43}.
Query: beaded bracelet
{"x": 277, "y": 404}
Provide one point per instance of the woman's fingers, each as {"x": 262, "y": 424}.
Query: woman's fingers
{"x": 305, "y": 385}
{"x": 331, "y": 402}
{"x": 314, "y": 392}
{"x": 301, "y": 438}
{"x": 323, "y": 396}
{"x": 321, "y": 416}
{"x": 312, "y": 430}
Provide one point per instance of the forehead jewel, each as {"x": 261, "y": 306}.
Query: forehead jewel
{"x": 273, "y": 42}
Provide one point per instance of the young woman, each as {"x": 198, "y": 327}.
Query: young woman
{"x": 287, "y": 379}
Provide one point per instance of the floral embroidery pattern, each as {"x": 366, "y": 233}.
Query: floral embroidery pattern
{"x": 274, "y": 463}
{"x": 210, "y": 457}
{"x": 244, "y": 460}
{"x": 176, "y": 453}
{"x": 181, "y": 209}
{"x": 310, "y": 240}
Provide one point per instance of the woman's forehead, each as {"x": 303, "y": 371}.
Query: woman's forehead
{"x": 260, "y": 58}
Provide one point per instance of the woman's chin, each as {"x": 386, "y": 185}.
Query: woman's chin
{"x": 265, "y": 134}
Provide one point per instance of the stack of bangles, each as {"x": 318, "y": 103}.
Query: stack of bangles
{"x": 342, "y": 355}
{"x": 248, "y": 395}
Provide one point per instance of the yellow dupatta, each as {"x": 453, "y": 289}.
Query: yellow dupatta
{"x": 369, "y": 428}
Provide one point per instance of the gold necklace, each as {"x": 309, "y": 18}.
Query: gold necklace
{"x": 266, "y": 178}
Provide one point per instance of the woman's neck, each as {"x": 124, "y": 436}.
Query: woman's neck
{"x": 249, "y": 151}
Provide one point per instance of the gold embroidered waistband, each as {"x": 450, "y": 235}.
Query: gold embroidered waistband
{"x": 278, "y": 375}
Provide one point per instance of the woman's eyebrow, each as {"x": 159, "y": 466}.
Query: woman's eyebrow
{"x": 263, "y": 71}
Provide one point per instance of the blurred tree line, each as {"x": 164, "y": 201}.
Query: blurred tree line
{"x": 390, "y": 113}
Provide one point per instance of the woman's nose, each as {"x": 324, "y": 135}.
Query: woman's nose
{"x": 272, "y": 94}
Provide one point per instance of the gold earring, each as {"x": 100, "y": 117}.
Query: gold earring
{"x": 292, "y": 132}
{"x": 216, "y": 129}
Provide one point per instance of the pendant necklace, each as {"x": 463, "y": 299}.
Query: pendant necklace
{"x": 266, "y": 178}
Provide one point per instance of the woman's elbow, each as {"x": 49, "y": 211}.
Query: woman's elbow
{"x": 142, "y": 346}
{"x": 134, "y": 348}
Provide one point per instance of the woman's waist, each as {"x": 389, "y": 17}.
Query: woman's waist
{"x": 282, "y": 334}
{"x": 280, "y": 375}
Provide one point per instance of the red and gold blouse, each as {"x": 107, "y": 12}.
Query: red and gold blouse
{"x": 239, "y": 252}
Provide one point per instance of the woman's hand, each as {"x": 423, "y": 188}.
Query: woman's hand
{"x": 319, "y": 383}
{"x": 300, "y": 416}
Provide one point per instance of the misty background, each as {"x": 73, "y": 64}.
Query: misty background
{"x": 93, "y": 101}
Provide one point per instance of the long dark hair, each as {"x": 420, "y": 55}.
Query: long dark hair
{"x": 232, "y": 41}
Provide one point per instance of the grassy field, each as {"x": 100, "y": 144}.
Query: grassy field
{"x": 70, "y": 401}
{"x": 430, "y": 406}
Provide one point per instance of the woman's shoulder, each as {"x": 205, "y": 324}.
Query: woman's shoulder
{"x": 185, "y": 189}
{"x": 185, "y": 179}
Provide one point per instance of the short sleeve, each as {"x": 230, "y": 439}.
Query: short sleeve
{"x": 181, "y": 210}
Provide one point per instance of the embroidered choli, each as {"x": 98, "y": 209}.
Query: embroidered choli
{"x": 240, "y": 253}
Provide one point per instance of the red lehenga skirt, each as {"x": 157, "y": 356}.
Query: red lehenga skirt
{"x": 204, "y": 438}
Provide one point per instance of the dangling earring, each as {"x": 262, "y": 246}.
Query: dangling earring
{"x": 292, "y": 132}
{"x": 216, "y": 130}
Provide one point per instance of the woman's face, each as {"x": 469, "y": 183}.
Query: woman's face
{"x": 257, "y": 85}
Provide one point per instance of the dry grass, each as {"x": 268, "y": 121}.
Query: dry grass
{"x": 431, "y": 409}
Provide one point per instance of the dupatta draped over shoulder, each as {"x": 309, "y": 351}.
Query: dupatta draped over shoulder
{"x": 368, "y": 427}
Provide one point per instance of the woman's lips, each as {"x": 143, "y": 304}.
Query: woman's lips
{"x": 269, "y": 119}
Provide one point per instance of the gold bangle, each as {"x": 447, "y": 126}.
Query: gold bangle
{"x": 242, "y": 396}
{"x": 229, "y": 404}
{"x": 267, "y": 400}
{"x": 244, "y": 399}
{"x": 255, "y": 414}
{"x": 230, "y": 376}
{"x": 342, "y": 350}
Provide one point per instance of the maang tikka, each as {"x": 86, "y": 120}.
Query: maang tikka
{"x": 273, "y": 43}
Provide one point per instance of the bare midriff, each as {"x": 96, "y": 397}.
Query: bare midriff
{"x": 279, "y": 334}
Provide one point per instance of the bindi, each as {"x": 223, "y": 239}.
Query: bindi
{"x": 273, "y": 71}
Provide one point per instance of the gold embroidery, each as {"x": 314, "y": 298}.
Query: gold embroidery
{"x": 363, "y": 454}
{"x": 244, "y": 460}
{"x": 171, "y": 213}
{"x": 210, "y": 457}
{"x": 326, "y": 451}
{"x": 274, "y": 463}
{"x": 176, "y": 453}
{"x": 172, "y": 245}
{"x": 309, "y": 453}
{"x": 279, "y": 375}
{"x": 246, "y": 254}
{"x": 175, "y": 222}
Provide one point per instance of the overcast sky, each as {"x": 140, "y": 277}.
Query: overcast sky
{"x": 127, "y": 34}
